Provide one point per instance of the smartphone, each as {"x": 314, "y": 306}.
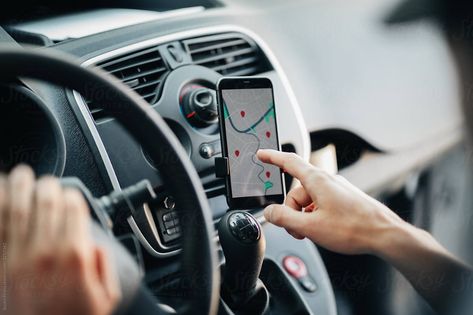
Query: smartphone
{"x": 247, "y": 117}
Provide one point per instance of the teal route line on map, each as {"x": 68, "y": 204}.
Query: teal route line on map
{"x": 267, "y": 184}
{"x": 228, "y": 116}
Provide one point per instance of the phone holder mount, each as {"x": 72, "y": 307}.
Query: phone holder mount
{"x": 222, "y": 168}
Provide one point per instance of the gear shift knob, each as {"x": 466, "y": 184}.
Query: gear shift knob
{"x": 243, "y": 245}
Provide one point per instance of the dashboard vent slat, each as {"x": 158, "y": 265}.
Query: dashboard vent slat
{"x": 227, "y": 53}
{"x": 218, "y": 44}
{"x": 133, "y": 65}
{"x": 128, "y": 57}
{"x": 228, "y": 57}
{"x": 239, "y": 63}
{"x": 142, "y": 70}
{"x": 147, "y": 84}
{"x": 146, "y": 73}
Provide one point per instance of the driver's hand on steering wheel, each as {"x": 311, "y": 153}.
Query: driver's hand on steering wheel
{"x": 50, "y": 263}
{"x": 327, "y": 209}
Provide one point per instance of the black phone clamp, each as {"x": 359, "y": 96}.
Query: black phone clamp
{"x": 222, "y": 168}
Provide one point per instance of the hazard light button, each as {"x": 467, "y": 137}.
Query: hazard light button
{"x": 297, "y": 269}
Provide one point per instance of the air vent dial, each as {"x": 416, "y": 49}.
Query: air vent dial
{"x": 199, "y": 105}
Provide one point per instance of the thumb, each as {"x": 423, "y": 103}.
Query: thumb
{"x": 286, "y": 217}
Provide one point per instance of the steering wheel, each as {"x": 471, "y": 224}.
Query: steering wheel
{"x": 198, "y": 256}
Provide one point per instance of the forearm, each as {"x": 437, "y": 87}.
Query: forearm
{"x": 430, "y": 268}
{"x": 348, "y": 221}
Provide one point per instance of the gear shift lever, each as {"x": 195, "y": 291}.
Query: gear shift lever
{"x": 243, "y": 244}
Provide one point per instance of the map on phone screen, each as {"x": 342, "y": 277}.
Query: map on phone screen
{"x": 250, "y": 125}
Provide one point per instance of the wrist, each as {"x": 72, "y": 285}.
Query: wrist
{"x": 401, "y": 238}
{"x": 388, "y": 233}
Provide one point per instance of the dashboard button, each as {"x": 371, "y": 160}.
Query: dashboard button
{"x": 307, "y": 284}
{"x": 169, "y": 224}
{"x": 297, "y": 269}
{"x": 171, "y": 231}
{"x": 169, "y": 203}
{"x": 294, "y": 266}
{"x": 167, "y": 217}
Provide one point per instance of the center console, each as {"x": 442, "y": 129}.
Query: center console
{"x": 256, "y": 281}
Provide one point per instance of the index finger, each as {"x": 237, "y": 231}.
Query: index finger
{"x": 289, "y": 162}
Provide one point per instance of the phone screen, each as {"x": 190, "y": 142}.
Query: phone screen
{"x": 250, "y": 124}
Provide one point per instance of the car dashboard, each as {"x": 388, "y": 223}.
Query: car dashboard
{"x": 312, "y": 64}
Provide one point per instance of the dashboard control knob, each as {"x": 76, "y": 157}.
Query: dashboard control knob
{"x": 206, "y": 151}
{"x": 200, "y": 107}
{"x": 210, "y": 149}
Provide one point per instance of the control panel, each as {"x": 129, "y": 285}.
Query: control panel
{"x": 168, "y": 223}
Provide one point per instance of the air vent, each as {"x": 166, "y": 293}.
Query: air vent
{"x": 229, "y": 54}
{"x": 142, "y": 70}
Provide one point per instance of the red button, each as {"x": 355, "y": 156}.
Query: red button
{"x": 294, "y": 266}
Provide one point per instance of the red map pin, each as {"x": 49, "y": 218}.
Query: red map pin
{"x": 268, "y": 174}
{"x": 268, "y": 134}
{"x": 242, "y": 113}
{"x": 237, "y": 153}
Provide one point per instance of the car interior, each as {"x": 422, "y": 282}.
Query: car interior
{"x": 101, "y": 94}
